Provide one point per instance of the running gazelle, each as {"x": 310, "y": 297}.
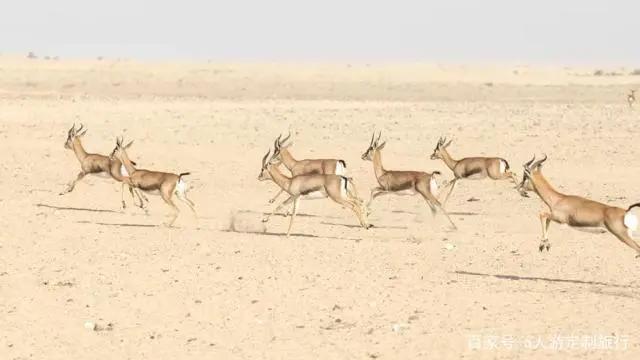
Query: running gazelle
{"x": 96, "y": 164}
{"x": 168, "y": 184}
{"x": 333, "y": 186}
{"x": 471, "y": 167}
{"x": 577, "y": 211}
{"x": 402, "y": 182}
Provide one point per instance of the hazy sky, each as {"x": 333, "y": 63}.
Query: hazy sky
{"x": 534, "y": 31}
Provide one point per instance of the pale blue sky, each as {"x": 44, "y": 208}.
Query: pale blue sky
{"x": 536, "y": 31}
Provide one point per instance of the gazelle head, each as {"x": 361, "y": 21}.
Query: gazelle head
{"x": 374, "y": 145}
{"x": 440, "y": 147}
{"x": 264, "y": 170}
{"x": 119, "y": 149}
{"x": 73, "y": 134}
{"x": 278, "y": 145}
{"x": 530, "y": 167}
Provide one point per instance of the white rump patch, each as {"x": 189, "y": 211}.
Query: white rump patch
{"x": 631, "y": 222}
{"x": 343, "y": 187}
{"x": 503, "y": 166}
{"x": 433, "y": 185}
{"x": 181, "y": 187}
{"x": 123, "y": 171}
{"x": 340, "y": 170}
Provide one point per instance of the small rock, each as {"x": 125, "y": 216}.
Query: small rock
{"x": 90, "y": 325}
{"x": 399, "y": 327}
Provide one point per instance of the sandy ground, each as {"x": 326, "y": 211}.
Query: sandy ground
{"x": 408, "y": 288}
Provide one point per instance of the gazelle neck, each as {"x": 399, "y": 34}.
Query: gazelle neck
{"x": 279, "y": 178}
{"x": 124, "y": 158}
{"x": 377, "y": 163}
{"x": 542, "y": 187}
{"x": 448, "y": 160}
{"x": 114, "y": 169}
{"x": 287, "y": 159}
{"x": 78, "y": 149}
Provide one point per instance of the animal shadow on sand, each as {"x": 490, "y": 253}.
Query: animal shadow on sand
{"x": 68, "y": 208}
{"x": 551, "y": 280}
{"x": 118, "y": 224}
{"x": 269, "y": 233}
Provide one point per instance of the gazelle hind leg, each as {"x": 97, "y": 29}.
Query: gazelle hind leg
{"x": 357, "y": 209}
{"x": 451, "y": 185}
{"x": 434, "y": 203}
{"x": 176, "y": 211}
{"x": 620, "y": 232}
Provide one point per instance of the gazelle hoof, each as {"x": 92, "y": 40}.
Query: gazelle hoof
{"x": 271, "y": 201}
{"x": 264, "y": 220}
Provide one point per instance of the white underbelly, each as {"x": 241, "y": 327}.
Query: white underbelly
{"x": 408, "y": 192}
{"x": 315, "y": 195}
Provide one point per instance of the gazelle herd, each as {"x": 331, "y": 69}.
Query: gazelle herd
{"x": 326, "y": 178}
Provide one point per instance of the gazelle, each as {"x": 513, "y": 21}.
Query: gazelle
{"x": 577, "y": 211}
{"x": 95, "y": 163}
{"x": 402, "y": 182}
{"x": 472, "y": 167}
{"x": 168, "y": 184}
{"x": 306, "y": 166}
{"x": 332, "y": 186}
{"x": 631, "y": 98}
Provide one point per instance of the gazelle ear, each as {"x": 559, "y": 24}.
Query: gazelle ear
{"x": 381, "y": 146}
{"x": 82, "y": 133}
{"x": 129, "y": 144}
{"x": 447, "y": 144}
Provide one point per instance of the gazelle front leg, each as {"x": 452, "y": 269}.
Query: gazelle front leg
{"x": 375, "y": 192}
{"x": 73, "y": 183}
{"x": 296, "y": 201}
{"x": 271, "y": 201}
{"x": 545, "y": 220}
{"x": 282, "y": 204}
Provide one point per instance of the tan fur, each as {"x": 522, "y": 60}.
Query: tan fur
{"x": 391, "y": 181}
{"x": 94, "y": 163}
{"x": 573, "y": 210}
{"x": 297, "y": 186}
{"x": 471, "y": 167}
{"x": 300, "y": 167}
{"x": 148, "y": 180}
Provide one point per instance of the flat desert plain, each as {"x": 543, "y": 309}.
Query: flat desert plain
{"x": 80, "y": 278}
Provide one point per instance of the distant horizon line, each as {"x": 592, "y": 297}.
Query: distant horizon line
{"x": 34, "y": 55}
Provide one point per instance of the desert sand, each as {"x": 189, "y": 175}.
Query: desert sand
{"x": 225, "y": 286}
